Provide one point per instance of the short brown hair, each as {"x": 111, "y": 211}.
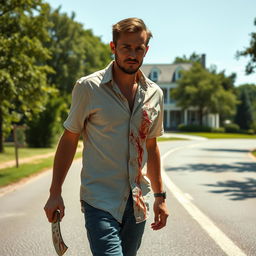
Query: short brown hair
{"x": 130, "y": 25}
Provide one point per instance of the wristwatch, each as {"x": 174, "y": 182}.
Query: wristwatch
{"x": 162, "y": 194}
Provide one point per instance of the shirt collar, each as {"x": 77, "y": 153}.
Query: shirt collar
{"x": 108, "y": 77}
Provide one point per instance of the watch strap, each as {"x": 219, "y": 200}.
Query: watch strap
{"x": 162, "y": 194}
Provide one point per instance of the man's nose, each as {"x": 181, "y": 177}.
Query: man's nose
{"x": 132, "y": 53}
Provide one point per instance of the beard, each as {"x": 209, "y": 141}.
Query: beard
{"x": 129, "y": 71}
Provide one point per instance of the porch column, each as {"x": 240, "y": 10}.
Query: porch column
{"x": 168, "y": 123}
{"x": 185, "y": 117}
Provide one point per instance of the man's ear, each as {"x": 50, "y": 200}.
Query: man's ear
{"x": 146, "y": 50}
{"x": 112, "y": 47}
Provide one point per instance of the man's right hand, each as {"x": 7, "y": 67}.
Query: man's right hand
{"x": 53, "y": 204}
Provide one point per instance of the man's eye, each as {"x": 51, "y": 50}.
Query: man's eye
{"x": 140, "y": 49}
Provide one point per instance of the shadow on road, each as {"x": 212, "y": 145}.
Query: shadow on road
{"x": 236, "y": 167}
{"x": 227, "y": 150}
{"x": 236, "y": 190}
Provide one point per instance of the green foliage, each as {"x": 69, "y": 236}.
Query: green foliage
{"x": 251, "y": 131}
{"x": 97, "y": 54}
{"x": 251, "y": 90}
{"x": 246, "y": 109}
{"x": 194, "y": 128}
{"x": 75, "y": 52}
{"x": 250, "y": 52}
{"x": 66, "y": 46}
{"x": 232, "y": 128}
{"x": 218, "y": 130}
{"x": 23, "y": 70}
{"x": 227, "y": 82}
{"x": 194, "y": 57}
{"x": 44, "y": 128}
{"x": 203, "y": 90}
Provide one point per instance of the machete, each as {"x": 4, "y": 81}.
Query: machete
{"x": 58, "y": 242}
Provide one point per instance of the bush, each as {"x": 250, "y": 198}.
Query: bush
{"x": 232, "y": 128}
{"x": 44, "y": 128}
{"x": 251, "y": 132}
{"x": 218, "y": 130}
{"x": 194, "y": 128}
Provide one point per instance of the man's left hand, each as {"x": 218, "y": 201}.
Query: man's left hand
{"x": 161, "y": 213}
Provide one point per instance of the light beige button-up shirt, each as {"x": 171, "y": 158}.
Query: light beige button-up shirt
{"x": 115, "y": 155}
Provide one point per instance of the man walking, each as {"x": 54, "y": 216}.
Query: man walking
{"x": 119, "y": 112}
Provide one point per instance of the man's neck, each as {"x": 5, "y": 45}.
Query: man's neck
{"x": 123, "y": 79}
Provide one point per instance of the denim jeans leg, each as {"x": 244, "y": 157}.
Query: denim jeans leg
{"x": 131, "y": 233}
{"x": 103, "y": 232}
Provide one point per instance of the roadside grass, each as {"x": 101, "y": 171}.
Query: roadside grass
{"x": 9, "y": 152}
{"x": 13, "y": 174}
{"x": 254, "y": 152}
{"x": 213, "y": 135}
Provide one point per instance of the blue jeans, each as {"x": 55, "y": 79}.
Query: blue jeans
{"x": 108, "y": 237}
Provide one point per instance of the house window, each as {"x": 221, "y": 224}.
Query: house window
{"x": 177, "y": 74}
{"x": 154, "y": 75}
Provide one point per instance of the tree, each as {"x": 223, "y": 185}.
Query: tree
{"x": 75, "y": 52}
{"x": 66, "y": 45}
{"x": 201, "y": 89}
{"x": 194, "y": 57}
{"x": 97, "y": 54}
{"x": 23, "y": 83}
{"x": 44, "y": 128}
{"x": 250, "y": 51}
{"x": 246, "y": 109}
{"x": 227, "y": 82}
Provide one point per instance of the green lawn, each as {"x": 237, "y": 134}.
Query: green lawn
{"x": 13, "y": 174}
{"x": 9, "y": 152}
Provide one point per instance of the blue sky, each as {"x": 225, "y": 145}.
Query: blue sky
{"x": 218, "y": 28}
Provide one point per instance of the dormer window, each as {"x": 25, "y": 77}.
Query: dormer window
{"x": 177, "y": 74}
{"x": 154, "y": 74}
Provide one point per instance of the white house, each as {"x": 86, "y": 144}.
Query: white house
{"x": 166, "y": 75}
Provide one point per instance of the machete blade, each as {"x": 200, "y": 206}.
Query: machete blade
{"x": 59, "y": 245}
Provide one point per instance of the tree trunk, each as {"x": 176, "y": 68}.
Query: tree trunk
{"x": 1, "y": 132}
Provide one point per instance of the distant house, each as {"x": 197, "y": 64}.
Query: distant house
{"x": 166, "y": 76}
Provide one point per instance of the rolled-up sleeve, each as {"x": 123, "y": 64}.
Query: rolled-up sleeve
{"x": 157, "y": 128}
{"x": 80, "y": 108}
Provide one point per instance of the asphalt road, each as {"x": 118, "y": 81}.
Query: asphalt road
{"x": 211, "y": 188}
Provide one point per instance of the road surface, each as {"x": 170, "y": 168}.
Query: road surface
{"x": 211, "y": 188}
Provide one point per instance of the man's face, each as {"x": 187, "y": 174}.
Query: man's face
{"x": 130, "y": 50}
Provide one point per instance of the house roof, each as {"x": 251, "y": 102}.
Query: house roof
{"x": 166, "y": 71}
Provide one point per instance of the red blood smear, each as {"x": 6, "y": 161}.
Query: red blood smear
{"x": 139, "y": 140}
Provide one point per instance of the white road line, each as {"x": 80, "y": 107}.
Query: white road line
{"x": 189, "y": 197}
{"x": 205, "y": 222}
